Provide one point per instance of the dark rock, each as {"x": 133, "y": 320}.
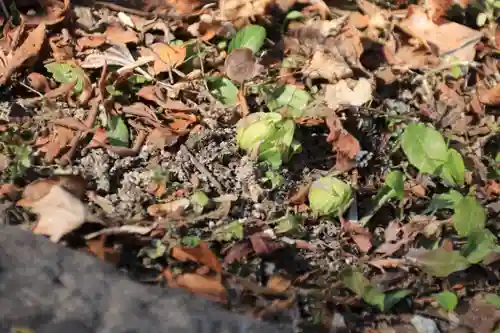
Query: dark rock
{"x": 50, "y": 288}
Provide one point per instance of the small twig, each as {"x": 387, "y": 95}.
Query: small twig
{"x": 5, "y": 10}
{"x": 89, "y": 121}
{"x": 445, "y": 67}
{"x": 202, "y": 169}
{"x": 124, "y": 229}
{"x": 127, "y": 10}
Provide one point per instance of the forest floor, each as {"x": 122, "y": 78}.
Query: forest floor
{"x": 334, "y": 166}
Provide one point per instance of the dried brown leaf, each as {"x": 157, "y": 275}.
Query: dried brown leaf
{"x": 90, "y": 42}
{"x": 201, "y": 254}
{"x": 29, "y": 49}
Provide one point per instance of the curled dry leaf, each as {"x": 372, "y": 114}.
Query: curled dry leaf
{"x": 241, "y": 65}
{"x": 171, "y": 207}
{"x": 62, "y": 47}
{"x": 328, "y": 65}
{"x": 278, "y": 284}
{"x": 59, "y": 211}
{"x": 38, "y": 82}
{"x": 29, "y": 49}
{"x": 340, "y": 93}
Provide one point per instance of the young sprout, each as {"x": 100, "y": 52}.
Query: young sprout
{"x": 329, "y": 196}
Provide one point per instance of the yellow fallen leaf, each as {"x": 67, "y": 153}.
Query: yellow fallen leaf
{"x": 166, "y": 56}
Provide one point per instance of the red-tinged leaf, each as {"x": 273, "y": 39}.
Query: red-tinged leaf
{"x": 200, "y": 254}
{"x": 491, "y": 96}
{"x": 262, "y": 244}
{"x": 99, "y": 139}
{"x": 199, "y": 284}
{"x": 476, "y": 107}
{"x": 363, "y": 242}
{"x": 7, "y": 189}
{"x": 391, "y": 232}
{"x": 71, "y": 123}
{"x": 300, "y": 196}
{"x": 38, "y": 82}
{"x": 386, "y": 263}
{"x": 63, "y": 90}
{"x": 237, "y": 252}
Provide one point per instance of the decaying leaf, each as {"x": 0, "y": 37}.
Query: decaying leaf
{"x": 328, "y": 65}
{"x": 241, "y": 65}
{"x": 59, "y": 211}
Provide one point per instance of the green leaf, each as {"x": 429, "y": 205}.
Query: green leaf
{"x": 357, "y": 283}
{"x": 291, "y": 98}
{"x": 424, "y": 147}
{"x": 294, "y": 15}
{"x": 447, "y": 300}
{"x": 286, "y": 224}
{"x": 394, "y": 297}
{"x": 138, "y": 79}
{"x": 275, "y": 178}
{"x": 66, "y": 73}
{"x": 252, "y": 36}
{"x": 156, "y": 250}
{"x": 444, "y": 201}
{"x": 481, "y": 19}
{"x": 191, "y": 241}
{"x": 111, "y": 89}
{"x": 453, "y": 170}
{"x": 395, "y": 181}
{"x": 117, "y": 132}
{"x": 227, "y": 232}
{"x": 469, "y": 216}
{"x": 442, "y": 263}
{"x": 223, "y": 90}
{"x": 493, "y": 299}
{"x": 199, "y": 200}
{"x": 354, "y": 280}
{"x": 480, "y": 243}
{"x": 456, "y": 71}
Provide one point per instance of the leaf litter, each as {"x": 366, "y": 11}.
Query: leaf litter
{"x": 193, "y": 139}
